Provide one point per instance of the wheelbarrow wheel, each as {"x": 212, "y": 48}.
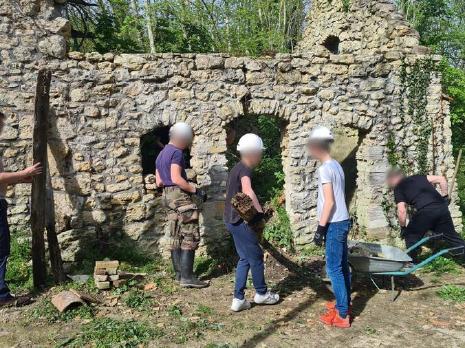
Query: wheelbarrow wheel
{"x": 327, "y": 281}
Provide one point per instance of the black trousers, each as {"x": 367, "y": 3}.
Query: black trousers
{"x": 436, "y": 218}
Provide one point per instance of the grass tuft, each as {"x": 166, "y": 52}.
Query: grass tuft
{"x": 108, "y": 333}
{"x": 442, "y": 266}
{"x": 452, "y": 293}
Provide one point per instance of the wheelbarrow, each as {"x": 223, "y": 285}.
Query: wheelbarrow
{"x": 389, "y": 261}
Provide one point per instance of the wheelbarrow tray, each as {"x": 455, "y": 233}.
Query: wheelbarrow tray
{"x": 393, "y": 259}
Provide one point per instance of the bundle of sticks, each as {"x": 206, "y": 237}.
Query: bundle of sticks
{"x": 244, "y": 206}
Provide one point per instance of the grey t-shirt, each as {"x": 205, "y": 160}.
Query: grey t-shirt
{"x": 332, "y": 172}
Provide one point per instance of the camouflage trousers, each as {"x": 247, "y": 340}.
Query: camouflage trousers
{"x": 183, "y": 219}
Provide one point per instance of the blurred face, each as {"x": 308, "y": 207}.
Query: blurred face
{"x": 181, "y": 143}
{"x": 253, "y": 159}
{"x": 394, "y": 180}
{"x": 315, "y": 151}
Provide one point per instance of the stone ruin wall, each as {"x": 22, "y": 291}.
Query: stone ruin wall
{"x": 101, "y": 104}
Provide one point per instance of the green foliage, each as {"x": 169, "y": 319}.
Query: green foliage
{"x": 45, "y": 310}
{"x": 19, "y": 270}
{"x": 251, "y": 27}
{"x": 442, "y": 266}
{"x": 137, "y": 299}
{"x": 415, "y": 81}
{"x": 452, "y": 293}
{"x": 346, "y": 5}
{"x": 441, "y": 24}
{"x": 110, "y": 333}
{"x": 269, "y": 175}
{"x": 279, "y": 230}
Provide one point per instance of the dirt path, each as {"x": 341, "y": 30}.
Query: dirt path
{"x": 201, "y": 318}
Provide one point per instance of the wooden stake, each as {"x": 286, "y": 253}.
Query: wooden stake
{"x": 39, "y": 199}
{"x": 457, "y": 165}
{"x": 53, "y": 247}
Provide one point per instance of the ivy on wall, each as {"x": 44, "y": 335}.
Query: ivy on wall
{"x": 415, "y": 80}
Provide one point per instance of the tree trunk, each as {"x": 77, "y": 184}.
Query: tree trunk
{"x": 53, "y": 246}
{"x": 148, "y": 23}
{"x": 38, "y": 199}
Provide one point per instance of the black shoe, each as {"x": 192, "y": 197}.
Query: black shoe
{"x": 176, "y": 259}
{"x": 188, "y": 279}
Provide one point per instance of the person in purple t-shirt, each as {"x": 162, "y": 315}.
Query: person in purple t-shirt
{"x": 182, "y": 210}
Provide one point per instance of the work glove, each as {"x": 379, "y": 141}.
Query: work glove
{"x": 447, "y": 199}
{"x": 201, "y": 195}
{"x": 258, "y": 218}
{"x": 257, "y": 224}
{"x": 320, "y": 235}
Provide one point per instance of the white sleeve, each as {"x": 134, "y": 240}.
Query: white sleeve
{"x": 324, "y": 174}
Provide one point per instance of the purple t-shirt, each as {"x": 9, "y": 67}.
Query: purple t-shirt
{"x": 168, "y": 156}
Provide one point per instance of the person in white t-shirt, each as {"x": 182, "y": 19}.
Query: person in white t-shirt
{"x": 333, "y": 225}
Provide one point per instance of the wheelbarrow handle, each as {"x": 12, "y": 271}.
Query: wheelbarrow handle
{"x": 423, "y": 241}
{"x": 457, "y": 248}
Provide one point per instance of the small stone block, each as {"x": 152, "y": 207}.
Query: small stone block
{"x": 103, "y": 285}
{"x": 114, "y": 277}
{"x": 112, "y": 271}
{"x": 101, "y": 278}
{"x": 106, "y": 264}
{"x": 100, "y": 271}
{"x": 120, "y": 282}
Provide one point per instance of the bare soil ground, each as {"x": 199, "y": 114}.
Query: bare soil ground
{"x": 201, "y": 318}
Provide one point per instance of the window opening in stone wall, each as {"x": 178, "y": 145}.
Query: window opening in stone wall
{"x": 151, "y": 144}
{"x": 332, "y": 44}
{"x": 268, "y": 178}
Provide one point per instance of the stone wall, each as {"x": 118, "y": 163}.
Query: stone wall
{"x": 101, "y": 105}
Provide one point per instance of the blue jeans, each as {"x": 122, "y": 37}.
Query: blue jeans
{"x": 337, "y": 265}
{"x": 250, "y": 257}
{"x": 4, "y": 290}
{"x": 4, "y": 248}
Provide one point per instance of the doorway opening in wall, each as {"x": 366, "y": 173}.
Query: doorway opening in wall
{"x": 268, "y": 177}
{"x": 151, "y": 145}
{"x": 345, "y": 149}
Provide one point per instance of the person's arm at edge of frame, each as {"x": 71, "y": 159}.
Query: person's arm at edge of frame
{"x": 248, "y": 190}
{"x": 179, "y": 181}
{"x": 328, "y": 204}
{"x": 23, "y": 176}
{"x": 439, "y": 180}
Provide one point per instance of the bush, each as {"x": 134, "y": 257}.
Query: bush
{"x": 278, "y": 230}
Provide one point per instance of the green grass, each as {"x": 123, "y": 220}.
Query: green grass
{"x": 19, "y": 268}
{"x": 311, "y": 250}
{"x": 442, "y": 266}
{"x": 452, "y": 293}
{"x": 137, "y": 299}
{"x": 109, "y": 333}
{"x": 45, "y": 310}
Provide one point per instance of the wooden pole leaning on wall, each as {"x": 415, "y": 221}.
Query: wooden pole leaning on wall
{"x": 38, "y": 196}
{"x": 56, "y": 261}
{"x": 456, "y": 170}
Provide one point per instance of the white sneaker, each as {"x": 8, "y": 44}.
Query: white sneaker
{"x": 240, "y": 305}
{"x": 268, "y": 298}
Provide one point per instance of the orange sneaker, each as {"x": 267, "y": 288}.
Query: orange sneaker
{"x": 342, "y": 323}
{"x": 331, "y": 305}
{"x": 328, "y": 317}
